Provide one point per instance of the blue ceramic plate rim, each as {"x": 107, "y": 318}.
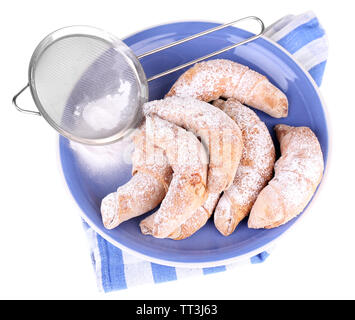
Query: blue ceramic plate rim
{"x": 223, "y": 260}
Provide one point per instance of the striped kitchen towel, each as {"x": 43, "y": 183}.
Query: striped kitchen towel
{"x": 305, "y": 39}
{"x": 115, "y": 269}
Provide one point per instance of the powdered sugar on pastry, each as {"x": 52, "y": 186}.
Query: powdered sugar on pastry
{"x": 145, "y": 190}
{"x": 297, "y": 175}
{"x": 197, "y": 220}
{"x": 217, "y": 131}
{"x": 187, "y": 190}
{"x": 212, "y": 79}
{"x": 140, "y": 194}
{"x": 254, "y": 171}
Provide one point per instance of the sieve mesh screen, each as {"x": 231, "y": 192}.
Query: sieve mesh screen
{"x": 88, "y": 87}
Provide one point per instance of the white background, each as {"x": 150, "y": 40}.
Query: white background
{"x": 43, "y": 250}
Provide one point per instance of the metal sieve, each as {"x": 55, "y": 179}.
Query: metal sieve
{"x": 90, "y": 86}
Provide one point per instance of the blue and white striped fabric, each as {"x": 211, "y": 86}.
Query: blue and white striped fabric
{"x": 305, "y": 39}
{"x": 115, "y": 269}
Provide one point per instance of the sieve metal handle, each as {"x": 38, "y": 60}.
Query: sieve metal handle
{"x": 175, "y": 43}
{"x": 14, "y": 102}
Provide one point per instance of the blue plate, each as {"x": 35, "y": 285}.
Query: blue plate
{"x": 207, "y": 247}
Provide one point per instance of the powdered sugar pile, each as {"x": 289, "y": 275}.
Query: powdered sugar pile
{"x": 106, "y": 159}
{"x": 109, "y": 112}
{"x": 106, "y": 113}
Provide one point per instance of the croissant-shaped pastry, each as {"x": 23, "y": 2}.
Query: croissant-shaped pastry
{"x": 212, "y": 79}
{"x": 297, "y": 175}
{"x": 197, "y": 220}
{"x": 187, "y": 191}
{"x": 145, "y": 190}
{"x": 191, "y": 225}
{"x": 254, "y": 171}
{"x": 217, "y": 131}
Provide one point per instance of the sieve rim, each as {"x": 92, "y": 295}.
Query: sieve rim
{"x": 114, "y": 42}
